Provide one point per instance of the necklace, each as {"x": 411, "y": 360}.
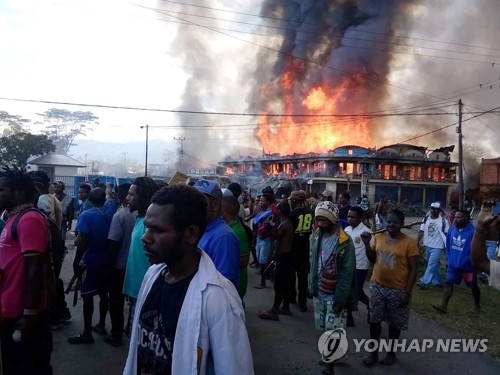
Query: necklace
{"x": 390, "y": 240}
{"x": 19, "y": 208}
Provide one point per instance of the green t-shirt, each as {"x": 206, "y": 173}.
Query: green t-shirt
{"x": 137, "y": 262}
{"x": 238, "y": 229}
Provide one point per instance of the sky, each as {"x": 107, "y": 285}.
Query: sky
{"x": 139, "y": 54}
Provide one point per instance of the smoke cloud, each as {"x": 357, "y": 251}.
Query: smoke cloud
{"x": 379, "y": 45}
{"x": 215, "y": 64}
{"x": 383, "y": 48}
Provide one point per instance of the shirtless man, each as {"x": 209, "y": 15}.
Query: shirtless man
{"x": 285, "y": 266}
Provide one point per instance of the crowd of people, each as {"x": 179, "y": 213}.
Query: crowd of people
{"x": 180, "y": 255}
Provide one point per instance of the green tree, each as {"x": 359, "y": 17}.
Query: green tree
{"x": 11, "y": 124}
{"x": 64, "y": 126}
{"x": 17, "y": 148}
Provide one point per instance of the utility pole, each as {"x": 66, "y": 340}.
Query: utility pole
{"x": 124, "y": 157}
{"x": 182, "y": 151}
{"x": 461, "y": 191}
{"x": 85, "y": 164}
{"x": 147, "y": 141}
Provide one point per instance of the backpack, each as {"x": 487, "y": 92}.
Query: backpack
{"x": 55, "y": 250}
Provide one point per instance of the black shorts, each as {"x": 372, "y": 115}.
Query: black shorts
{"x": 95, "y": 281}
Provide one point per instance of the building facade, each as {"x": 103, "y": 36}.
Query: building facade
{"x": 403, "y": 173}
{"x": 489, "y": 178}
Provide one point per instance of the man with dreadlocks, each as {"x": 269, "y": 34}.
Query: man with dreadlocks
{"x": 138, "y": 198}
{"x": 25, "y": 332}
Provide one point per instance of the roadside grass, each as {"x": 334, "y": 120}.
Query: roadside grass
{"x": 483, "y": 325}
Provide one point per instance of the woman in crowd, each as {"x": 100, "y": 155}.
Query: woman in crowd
{"x": 395, "y": 256}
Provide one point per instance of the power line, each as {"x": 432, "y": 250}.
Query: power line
{"x": 357, "y": 30}
{"x": 339, "y": 45}
{"x": 357, "y": 115}
{"x": 319, "y": 42}
{"x": 295, "y": 57}
{"x": 448, "y": 126}
{"x": 494, "y": 132}
{"x": 341, "y": 35}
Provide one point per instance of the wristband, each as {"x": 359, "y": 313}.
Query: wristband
{"x": 30, "y": 312}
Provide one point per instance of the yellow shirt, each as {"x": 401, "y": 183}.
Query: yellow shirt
{"x": 391, "y": 267}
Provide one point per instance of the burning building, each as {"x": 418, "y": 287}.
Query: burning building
{"x": 404, "y": 173}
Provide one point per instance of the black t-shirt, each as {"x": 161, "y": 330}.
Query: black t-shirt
{"x": 343, "y": 211}
{"x": 302, "y": 220}
{"x": 157, "y": 324}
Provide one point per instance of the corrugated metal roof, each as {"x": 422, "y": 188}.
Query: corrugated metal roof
{"x": 56, "y": 160}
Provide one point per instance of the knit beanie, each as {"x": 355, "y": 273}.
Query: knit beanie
{"x": 329, "y": 210}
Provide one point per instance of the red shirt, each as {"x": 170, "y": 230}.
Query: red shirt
{"x": 33, "y": 235}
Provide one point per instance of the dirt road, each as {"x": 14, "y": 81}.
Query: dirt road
{"x": 285, "y": 347}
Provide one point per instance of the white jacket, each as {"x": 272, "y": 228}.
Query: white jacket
{"x": 211, "y": 337}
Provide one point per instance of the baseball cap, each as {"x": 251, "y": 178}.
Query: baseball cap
{"x": 298, "y": 195}
{"x": 60, "y": 183}
{"x": 436, "y": 205}
{"x": 227, "y": 193}
{"x": 327, "y": 193}
{"x": 209, "y": 188}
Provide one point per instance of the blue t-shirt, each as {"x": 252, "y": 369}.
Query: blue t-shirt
{"x": 109, "y": 209}
{"x": 223, "y": 247}
{"x": 95, "y": 225}
{"x": 137, "y": 262}
{"x": 84, "y": 206}
{"x": 157, "y": 325}
{"x": 458, "y": 244}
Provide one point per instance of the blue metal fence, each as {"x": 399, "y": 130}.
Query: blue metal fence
{"x": 72, "y": 183}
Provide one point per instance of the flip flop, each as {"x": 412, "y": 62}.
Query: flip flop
{"x": 440, "y": 309}
{"x": 268, "y": 315}
{"x": 81, "y": 339}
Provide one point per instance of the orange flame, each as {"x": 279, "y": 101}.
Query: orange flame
{"x": 311, "y": 134}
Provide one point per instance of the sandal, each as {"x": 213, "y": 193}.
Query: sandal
{"x": 81, "y": 339}
{"x": 268, "y": 315}
{"x": 284, "y": 312}
{"x": 440, "y": 309}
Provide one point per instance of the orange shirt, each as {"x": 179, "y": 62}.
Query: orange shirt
{"x": 391, "y": 267}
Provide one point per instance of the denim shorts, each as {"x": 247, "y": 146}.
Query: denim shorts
{"x": 264, "y": 250}
{"x": 455, "y": 276}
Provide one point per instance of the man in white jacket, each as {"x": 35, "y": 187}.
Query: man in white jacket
{"x": 189, "y": 318}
